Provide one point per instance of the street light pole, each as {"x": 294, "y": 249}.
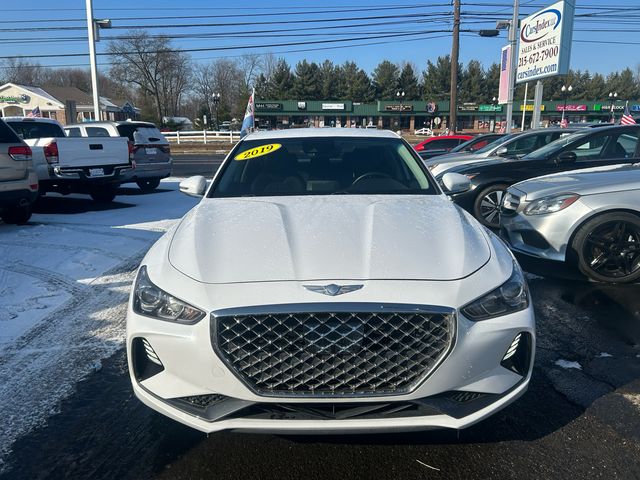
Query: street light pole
{"x": 513, "y": 37}
{"x": 455, "y": 48}
{"x": 613, "y": 96}
{"x": 216, "y": 101}
{"x": 565, "y": 92}
{"x": 91, "y": 26}
{"x": 400, "y": 97}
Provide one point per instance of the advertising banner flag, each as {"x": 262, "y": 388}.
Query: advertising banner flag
{"x": 249, "y": 117}
{"x": 545, "y": 42}
{"x": 505, "y": 74}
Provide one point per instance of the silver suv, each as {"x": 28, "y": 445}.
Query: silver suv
{"x": 151, "y": 151}
{"x": 18, "y": 179}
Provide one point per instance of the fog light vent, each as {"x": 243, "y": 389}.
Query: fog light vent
{"x": 146, "y": 362}
{"x": 151, "y": 353}
{"x": 464, "y": 397}
{"x": 518, "y": 355}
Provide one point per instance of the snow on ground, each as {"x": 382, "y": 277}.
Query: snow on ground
{"x": 64, "y": 283}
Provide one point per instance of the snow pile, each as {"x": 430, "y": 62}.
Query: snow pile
{"x": 64, "y": 284}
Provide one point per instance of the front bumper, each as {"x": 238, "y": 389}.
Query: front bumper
{"x": 543, "y": 236}
{"x": 190, "y": 367}
{"x": 150, "y": 170}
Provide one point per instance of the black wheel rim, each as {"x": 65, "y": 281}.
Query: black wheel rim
{"x": 490, "y": 207}
{"x": 612, "y": 250}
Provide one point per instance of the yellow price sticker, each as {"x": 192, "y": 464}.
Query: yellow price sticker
{"x": 258, "y": 151}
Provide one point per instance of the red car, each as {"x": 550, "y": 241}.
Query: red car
{"x": 445, "y": 142}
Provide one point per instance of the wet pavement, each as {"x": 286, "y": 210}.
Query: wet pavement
{"x": 580, "y": 422}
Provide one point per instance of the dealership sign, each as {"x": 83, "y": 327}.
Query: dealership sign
{"x": 571, "y": 108}
{"x": 545, "y": 42}
{"x": 529, "y": 107}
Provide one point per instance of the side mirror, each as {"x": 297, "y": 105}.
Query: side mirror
{"x": 502, "y": 152}
{"x": 566, "y": 157}
{"x": 194, "y": 186}
{"x": 455, "y": 183}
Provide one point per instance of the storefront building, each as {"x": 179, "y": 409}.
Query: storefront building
{"x": 65, "y": 104}
{"x": 414, "y": 115}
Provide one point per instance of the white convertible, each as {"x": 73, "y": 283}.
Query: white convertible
{"x": 326, "y": 284}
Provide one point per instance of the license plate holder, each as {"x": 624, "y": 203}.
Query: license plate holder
{"x": 96, "y": 172}
{"x": 151, "y": 150}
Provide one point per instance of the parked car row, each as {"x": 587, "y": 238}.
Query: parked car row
{"x": 38, "y": 155}
{"x": 575, "y": 199}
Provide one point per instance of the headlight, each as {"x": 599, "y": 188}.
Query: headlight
{"x": 512, "y": 296}
{"x": 551, "y": 204}
{"x": 151, "y": 301}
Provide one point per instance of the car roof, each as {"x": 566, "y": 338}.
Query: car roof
{"x": 320, "y": 133}
{"x": 102, "y": 124}
{"x": 30, "y": 119}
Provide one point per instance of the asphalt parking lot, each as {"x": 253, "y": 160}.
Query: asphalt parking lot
{"x": 580, "y": 417}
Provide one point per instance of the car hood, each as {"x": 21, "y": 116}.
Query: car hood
{"x": 454, "y": 158}
{"x": 328, "y": 237}
{"x": 468, "y": 165}
{"x": 588, "y": 181}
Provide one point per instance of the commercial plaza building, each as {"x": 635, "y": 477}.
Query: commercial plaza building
{"x": 413, "y": 115}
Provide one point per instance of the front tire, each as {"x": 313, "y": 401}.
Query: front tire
{"x": 148, "y": 185}
{"x": 608, "y": 248}
{"x": 486, "y": 208}
{"x": 104, "y": 195}
{"x": 16, "y": 215}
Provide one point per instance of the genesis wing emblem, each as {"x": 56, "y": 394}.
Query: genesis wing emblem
{"x": 333, "y": 289}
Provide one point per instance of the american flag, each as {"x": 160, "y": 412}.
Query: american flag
{"x": 564, "y": 123}
{"x": 35, "y": 113}
{"x": 627, "y": 119}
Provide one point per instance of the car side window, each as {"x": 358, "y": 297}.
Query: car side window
{"x": 443, "y": 144}
{"x": 97, "y": 132}
{"x": 522, "y": 145}
{"x": 73, "y": 132}
{"x": 607, "y": 146}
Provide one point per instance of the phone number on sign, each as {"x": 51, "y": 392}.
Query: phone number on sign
{"x": 539, "y": 56}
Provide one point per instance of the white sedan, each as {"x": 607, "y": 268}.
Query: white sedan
{"x": 325, "y": 283}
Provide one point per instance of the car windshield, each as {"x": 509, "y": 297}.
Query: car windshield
{"x": 470, "y": 144}
{"x": 322, "y": 166}
{"x": 28, "y": 130}
{"x": 557, "y": 144}
{"x": 494, "y": 144}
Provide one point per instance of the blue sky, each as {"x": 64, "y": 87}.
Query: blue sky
{"x": 412, "y": 19}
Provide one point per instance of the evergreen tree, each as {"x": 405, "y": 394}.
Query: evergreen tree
{"x": 596, "y": 89}
{"x": 408, "y": 83}
{"x": 355, "y": 84}
{"x": 625, "y": 84}
{"x": 492, "y": 83}
{"x": 330, "y": 76}
{"x": 437, "y": 79}
{"x": 385, "y": 80}
{"x": 307, "y": 83}
{"x": 281, "y": 82}
{"x": 473, "y": 85}
{"x": 262, "y": 87}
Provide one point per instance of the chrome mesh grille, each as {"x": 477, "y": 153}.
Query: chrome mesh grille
{"x": 340, "y": 353}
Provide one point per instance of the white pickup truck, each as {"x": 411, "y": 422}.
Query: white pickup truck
{"x": 94, "y": 166}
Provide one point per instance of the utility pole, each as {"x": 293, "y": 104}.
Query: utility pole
{"x": 513, "y": 37}
{"x": 455, "y": 48}
{"x": 91, "y": 26}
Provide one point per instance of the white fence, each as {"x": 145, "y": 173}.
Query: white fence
{"x": 200, "y": 136}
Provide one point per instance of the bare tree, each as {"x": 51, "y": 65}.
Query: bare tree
{"x": 22, "y": 72}
{"x": 154, "y": 67}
